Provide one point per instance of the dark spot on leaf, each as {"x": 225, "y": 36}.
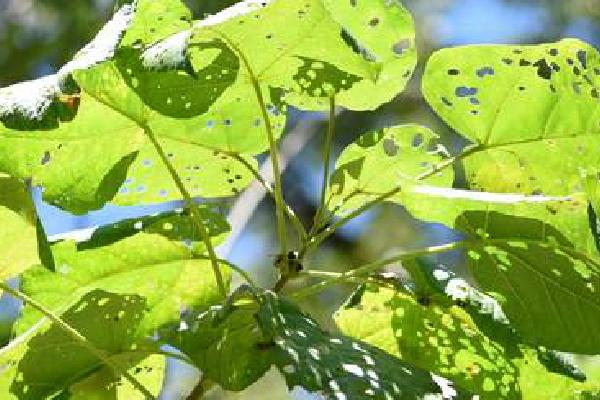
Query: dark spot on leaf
{"x": 374, "y": 22}
{"x": 553, "y": 52}
{"x": 576, "y": 70}
{"x": 594, "y": 93}
{"x": 46, "y": 158}
{"x": 582, "y": 57}
{"x": 390, "y": 147}
{"x": 447, "y": 102}
{"x": 474, "y": 101}
{"x": 555, "y": 67}
{"x": 544, "y": 70}
{"x": 507, "y": 61}
{"x": 453, "y": 72}
{"x": 524, "y": 63}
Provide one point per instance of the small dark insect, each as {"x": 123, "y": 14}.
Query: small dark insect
{"x": 424, "y": 300}
{"x": 265, "y": 345}
{"x": 293, "y": 262}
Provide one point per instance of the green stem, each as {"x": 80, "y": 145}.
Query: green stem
{"x": 326, "y": 162}
{"x": 316, "y": 240}
{"x": 78, "y": 337}
{"x": 319, "y": 238}
{"x": 279, "y": 202}
{"x": 193, "y": 207}
{"x": 288, "y": 210}
{"x": 235, "y": 268}
{"x": 371, "y": 267}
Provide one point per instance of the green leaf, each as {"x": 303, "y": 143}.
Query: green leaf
{"x": 443, "y": 340}
{"x": 228, "y": 347}
{"x": 550, "y": 89}
{"x": 102, "y": 385}
{"x": 157, "y": 264}
{"x": 380, "y": 161}
{"x": 155, "y": 20}
{"x": 18, "y": 231}
{"x": 59, "y": 159}
{"x": 107, "y": 320}
{"x": 316, "y": 48}
{"x": 384, "y": 33}
{"x": 333, "y": 365}
{"x": 546, "y": 285}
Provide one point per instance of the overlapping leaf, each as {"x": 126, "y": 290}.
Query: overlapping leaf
{"x": 443, "y": 340}
{"x": 474, "y": 351}
{"x": 228, "y": 347}
{"x": 17, "y": 229}
{"x": 107, "y": 320}
{"x": 157, "y": 263}
{"x": 400, "y": 157}
{"x": 336, "y": 366}
{"x": 316, "y": 48}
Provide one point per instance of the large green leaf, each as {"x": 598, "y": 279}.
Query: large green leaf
{"x": 334, "y": 365}
{"x": 315, "y": 48}
{"x": 156, "y": 263}
{"x": 471, "y": 349}
{"x": 108, "y": 321}
{"x": 17, "y": 229}
{"x": 57, "y": 151}
{"x": 529, "y": 110}
{"x": 228, "y": 347}
{"x": 444, "y": 340}
{"x": 546, "y": 285}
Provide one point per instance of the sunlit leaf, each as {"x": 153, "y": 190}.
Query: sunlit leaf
{"x": 17, "y": 229}
{"x": 444, "y": 340}
{"x": 528, "y": 110}
{"x": 156, "y": 263}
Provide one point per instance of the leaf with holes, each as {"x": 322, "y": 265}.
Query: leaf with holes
{"x": 400, "y": 157}
{"x": 17, "y": 229}
{"x": 315, "y": 48}
{"x": 107, "y": 320}
{"x": 157, "y": 263}
{"x": 474, "y": 351}
{"x": 443, "y": 340}
{"x": 546, "y": 285}
{"x": 552, "y": 90}
{"x": 337, "y": 366}
{"x": 102, "y": 385}
{"x": 228, "y": 347}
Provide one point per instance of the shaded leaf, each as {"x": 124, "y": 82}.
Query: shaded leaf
{"x": 107, "y": 320}
{"x": 336, "y": 366}
{"x": 228, "y": 347}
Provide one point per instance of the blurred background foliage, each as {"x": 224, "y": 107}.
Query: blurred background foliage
{"x": 37, "y": 37}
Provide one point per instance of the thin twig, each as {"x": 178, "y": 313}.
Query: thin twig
{"x": 326, "y": 161}
{"x": 194, "y": 210}
{"x": 366, "y": 269}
